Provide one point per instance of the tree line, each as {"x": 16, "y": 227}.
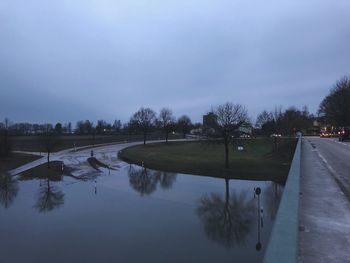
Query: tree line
{"x": 225, "y": 121}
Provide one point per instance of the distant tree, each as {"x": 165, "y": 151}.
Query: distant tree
{"x": 49, "y": 141}
{"x": 229, "y": 118}
{"x": 117, "y": 125}
{"x": 88, "y": 127}
{"x": 263, "y": 118}
{"x": 69, "y": 128}
{"x": 184, "y": 125}
{"x": 58, "y": 128}
{"x": 101, "y": 127}
{"x": 166, "y": 120}
{"x": 84, "y": 127}
{"x": 335, "y": 107}
{"x": 80, "y": 127}
{"x": 143, "y": 120}
{"x": 5, "y": 143}
{"x": 293, "y": 120}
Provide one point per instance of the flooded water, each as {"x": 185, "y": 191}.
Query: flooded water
{"x": 136, "y": 215}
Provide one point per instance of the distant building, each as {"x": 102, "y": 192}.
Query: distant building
{"x": 209, "y": 123}
{"x": 210, "y": 120}
{"x": 245, "y": 129}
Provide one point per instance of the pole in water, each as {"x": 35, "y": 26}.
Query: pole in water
{"x": 257, "y": 191}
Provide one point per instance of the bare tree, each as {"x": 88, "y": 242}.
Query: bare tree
{"x": 49, "y": 141}
{"x": 166, "y": 120}
{"x": 184, "y": 124}
{"x": 229, "y": 118}
{"x": 143, "y": 119}
{"x": 263, "y": 118}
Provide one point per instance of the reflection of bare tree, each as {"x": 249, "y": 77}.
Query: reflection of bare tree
{"x": 166, "y": 179}
{"x": 272, "y": 197}
{"x": 49, "y": 198}
{"x": 142, "y": 180}
{"x": 8, "y": 189}
{"x": 227, "y": 221}
{"x": 145, "y": 181}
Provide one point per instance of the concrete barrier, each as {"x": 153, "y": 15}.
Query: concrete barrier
{"x": 283, "y": 243}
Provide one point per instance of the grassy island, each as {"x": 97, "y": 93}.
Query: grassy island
{"x": 260, "y": 159}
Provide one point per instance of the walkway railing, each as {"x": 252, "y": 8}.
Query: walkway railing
{"x": 283, "y": 244}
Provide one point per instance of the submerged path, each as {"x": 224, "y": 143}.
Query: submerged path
{"x": 78, "y": 156}
{"x": 75, "y": 156}
{"x": 325, "y": 201}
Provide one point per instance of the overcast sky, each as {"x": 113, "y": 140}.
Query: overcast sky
{"x": 103, "y": 59}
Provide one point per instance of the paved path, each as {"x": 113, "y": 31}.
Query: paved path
{"x": 324, "y": 206}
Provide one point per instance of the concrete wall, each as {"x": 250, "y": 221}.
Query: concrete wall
{"x": 283, "y": 244}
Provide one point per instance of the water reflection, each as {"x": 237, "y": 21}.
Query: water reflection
{"x": 49, "y": 197}
{"x": 166, "y": 179}
{"x": 228, "y": 220}
{"x": 272, "y": 197}
{"x": 8, "y": 189}
{"x": 145, "y": 181}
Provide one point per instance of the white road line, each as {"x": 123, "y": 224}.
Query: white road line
{"x": 326, "y": 163}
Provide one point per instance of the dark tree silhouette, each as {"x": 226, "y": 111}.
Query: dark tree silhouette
{"x": 227, "y": 221}
{"x": 5, "y": 143}
{"x": 229, "y": 117}
{"x": 335, "y": 108}
{"x": 8, "y": 189}
{"x": 166, "y": 121}
{"x": 143, "y": 120}
{"x": 58, "y": 128}
{"x": 184, "y": 125}
{"x": 49, "y": 197}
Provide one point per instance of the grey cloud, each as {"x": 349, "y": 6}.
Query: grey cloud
{"x": 104, "y": 59}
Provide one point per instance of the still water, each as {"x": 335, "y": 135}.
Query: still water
{"x": 135, "y": 215}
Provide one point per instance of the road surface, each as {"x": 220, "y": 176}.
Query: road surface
{"x": 336, "y": 157}
{"x": 324, "y": 211}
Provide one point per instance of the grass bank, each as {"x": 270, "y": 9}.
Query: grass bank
{"x": 55, "y": 172}
{"x": 258, "y": 161}
{"x": 15, "y": 160}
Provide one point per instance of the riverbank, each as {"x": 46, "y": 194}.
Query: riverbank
{"x": 15, "y": 160}
{"x": 257, "y": 161}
